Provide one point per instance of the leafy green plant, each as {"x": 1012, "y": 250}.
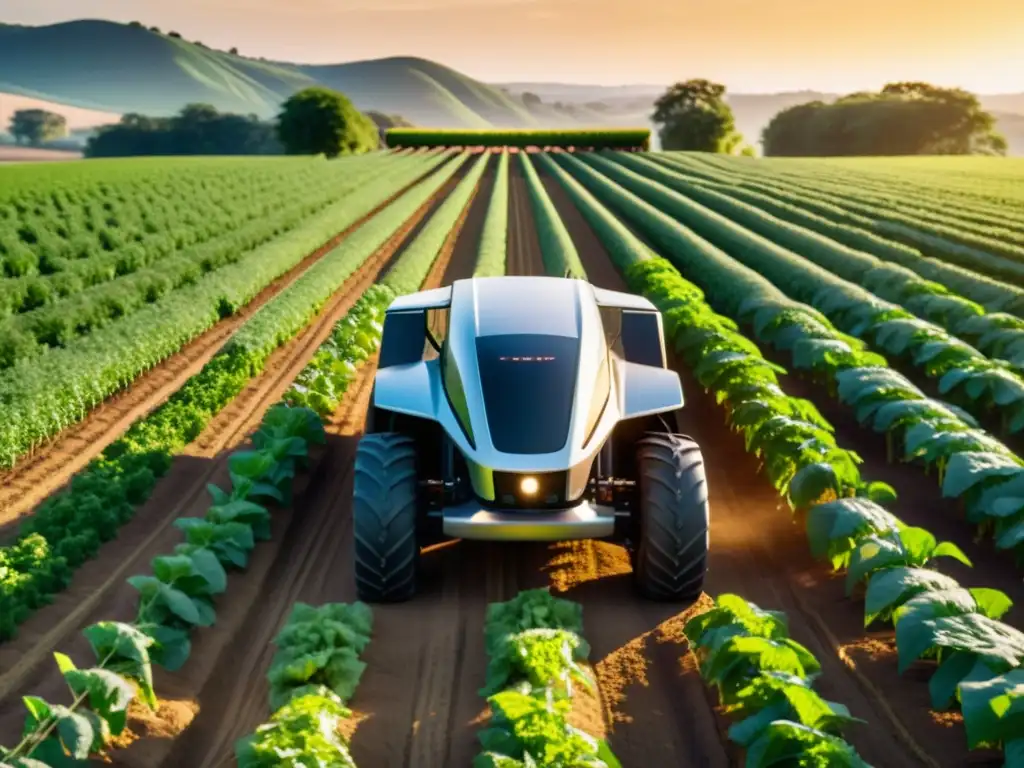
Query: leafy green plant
{"x": 764, "y": 680}
{"x": 533, "y": 646}
{"x": 529, "y": 730}
{"x": 320, "y": 646}
{"x": 57, "y": 735}
{"x": 304, "y": 732}
{"x": 908, "y": 546}
{"x": 540, "y": 658}
{"x": 314, "y": 672}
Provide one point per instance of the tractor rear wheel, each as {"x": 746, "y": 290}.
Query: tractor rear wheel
{"x": 671, "y": 554}
{"x": 384, "y": 511}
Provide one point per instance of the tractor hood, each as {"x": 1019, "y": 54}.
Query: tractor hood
{"x": 528, "y": 380}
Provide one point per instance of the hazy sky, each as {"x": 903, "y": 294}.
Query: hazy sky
{"x": 750, "y": 45}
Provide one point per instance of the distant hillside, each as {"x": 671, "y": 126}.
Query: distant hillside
{"x": 122, "y": 68}
{"x": 116, "y": 68}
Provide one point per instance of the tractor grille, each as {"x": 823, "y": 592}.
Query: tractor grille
{"x": 550, "y": 494}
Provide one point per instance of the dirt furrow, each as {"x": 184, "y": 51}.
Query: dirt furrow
{"x": 51, "y": 466}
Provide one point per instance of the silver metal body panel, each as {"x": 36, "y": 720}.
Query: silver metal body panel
{"x": 497, "y": 306}
{"x": 584, "y": 521}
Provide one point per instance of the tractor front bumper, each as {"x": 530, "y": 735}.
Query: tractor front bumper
{"x": 583, "y": 521}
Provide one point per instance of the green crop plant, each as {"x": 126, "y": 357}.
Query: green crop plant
{"x": 493, "y": 249}
{"x": 557, "y": 249}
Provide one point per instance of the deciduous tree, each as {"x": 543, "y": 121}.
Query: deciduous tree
{"x": 321, "y": 121}
{"x": 694, "y": 115}
{"x": 34, "y": 126}
{"x": 904, "y": 118}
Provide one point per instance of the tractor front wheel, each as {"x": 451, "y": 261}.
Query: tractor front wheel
{"x": 385, "y": 512}
{"x": 671, "y": 554}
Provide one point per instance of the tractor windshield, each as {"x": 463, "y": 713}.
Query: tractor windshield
{"x": 528, "y": 383}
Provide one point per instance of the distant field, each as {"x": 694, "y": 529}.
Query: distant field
{"x": 9, "y": 154}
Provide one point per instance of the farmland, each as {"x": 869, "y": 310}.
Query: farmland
{"x": 850, "y": 338}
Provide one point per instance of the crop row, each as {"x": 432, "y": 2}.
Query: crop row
{"x": 765, "y": 680}
{"x": 826, "y": 220}
{"x": 56, "y": 390}
{"x": 599, "y": 137}
{"x": 913, "y": 204}
{"x": 949, "y": 243}
{"x": 175, "y": 599}
{"x": 845, "y": 524}
{"x": 58, "y": 323}
{"x": 493, "y": 250}
{"x": 86, "y": 228}
{"x": 535, "y": 660}
{"x": 925, "y": 197}
{"x": 999, "y": 336}
{"x": 981, "y": 385}
{"x": 797, "y": 447}
{"x": 931, "y": 432}
{"x": 313, "y": 674}
{"x": 70, "y": 527}
{"x": 556, "y": 246}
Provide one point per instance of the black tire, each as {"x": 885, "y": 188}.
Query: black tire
{"x": 671, "y": 554}
{"x": 384, "y": 509}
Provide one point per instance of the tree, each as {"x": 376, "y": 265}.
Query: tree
{"x": 321, "y": 121}
{"x": 176, "y": 35}
{"x": 530, "y": 99}
{"x": 197, "y": 130}
{"x": 34, "y": 126}
{"x": 233, "y": 51}
{"x": 904, "y": 118}
{"x": 694, "y": 116}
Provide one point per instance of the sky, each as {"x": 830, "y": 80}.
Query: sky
{"x": 751, "y": 47}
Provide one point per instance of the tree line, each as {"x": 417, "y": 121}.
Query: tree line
{"x": 904, "y": 118}
{"x": 313, "y": 121}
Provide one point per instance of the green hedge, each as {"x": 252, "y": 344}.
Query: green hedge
{"x": 609, "y": 138}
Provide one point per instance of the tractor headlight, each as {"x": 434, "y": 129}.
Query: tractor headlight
{"x": 529, "y": 486}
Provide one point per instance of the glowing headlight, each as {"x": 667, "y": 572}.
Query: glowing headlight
{"x": 529, "y": 485}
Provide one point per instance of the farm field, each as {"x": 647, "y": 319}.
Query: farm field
{"x": 840, "y": 328}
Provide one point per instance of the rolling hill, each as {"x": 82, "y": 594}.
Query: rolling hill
{"x": 122, "y": 68}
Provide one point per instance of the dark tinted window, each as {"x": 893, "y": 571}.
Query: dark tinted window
{"x": 528, "y": 383}
{"x": 405, "y": 333}
{"x": 641, "y": 340}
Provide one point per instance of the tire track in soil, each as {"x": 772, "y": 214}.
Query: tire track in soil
{"x": 777, "y": 572}
{"x": 98, "y": 591}
{"x": 394, "y": 692}
{"x": 50, "y": 467}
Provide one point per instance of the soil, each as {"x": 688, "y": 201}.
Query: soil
{"x": 418, "y": 702}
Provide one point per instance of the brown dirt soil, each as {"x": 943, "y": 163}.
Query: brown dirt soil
{"x": 50, "y": 467}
